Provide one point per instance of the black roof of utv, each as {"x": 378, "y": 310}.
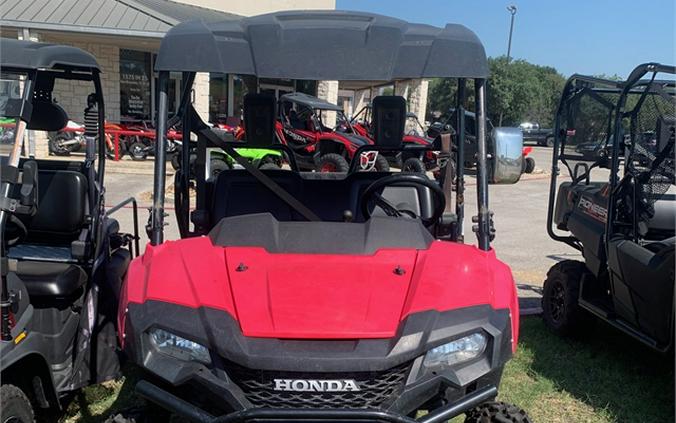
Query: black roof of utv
{"x": 310, "y": 101}
{"x": 29, "y": 55}
{"x": 324, "y": 45}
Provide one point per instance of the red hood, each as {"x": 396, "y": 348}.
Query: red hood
{"x": 320, "y": 296}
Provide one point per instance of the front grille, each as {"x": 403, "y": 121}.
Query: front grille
{"x": 375, "y": 388}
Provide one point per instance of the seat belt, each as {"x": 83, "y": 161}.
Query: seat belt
{"x": 260, "y": 176}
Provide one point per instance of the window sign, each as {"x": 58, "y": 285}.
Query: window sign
{"x": 135, "y": 90}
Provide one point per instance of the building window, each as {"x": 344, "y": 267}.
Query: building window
{"x": 306, "y": 86}
{"x": 239, "y": 90}
{"x": 218, "y": 97}
{"x": 135, "y": 90}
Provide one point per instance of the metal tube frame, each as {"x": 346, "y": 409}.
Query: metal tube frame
{"x": 5, "y": 190}
{"x": 484, "y": 224}
{"x": 460, "y": 160}
{"x": 157, "y": 213}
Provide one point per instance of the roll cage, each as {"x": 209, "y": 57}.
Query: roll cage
{"x": 276, "y": 46}
{"x": 314, "y": 106}
{"x": 40, "y": 64}
{"x": 597, "y": 125}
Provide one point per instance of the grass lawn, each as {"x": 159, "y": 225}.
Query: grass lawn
{"x": 603, "y": 376}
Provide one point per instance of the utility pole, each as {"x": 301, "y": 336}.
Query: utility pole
{"x": 512, "y": 10}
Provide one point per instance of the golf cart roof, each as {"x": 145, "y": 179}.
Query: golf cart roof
{"x": 310, "y": 101}
{"x": 28, "y": 55}
{"x": 324, "y": 45}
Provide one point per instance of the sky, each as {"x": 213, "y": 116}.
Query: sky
{"x": 594, "y": 37}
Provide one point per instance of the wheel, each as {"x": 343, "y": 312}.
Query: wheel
{"x": 382, "y": 165}
{"x": 269, "y": 165}
{"x": 333, "y": 162}
{"x": 497, "y": 412}
{"x": 137, "y": 151}
{"x": 561, "y": 290}
{"x": 58, "y": 147}
{"x": 217, "y": 166}
{"x": 16, "y": 408}
{"x": 413, "y": 165}
{"x": 549, "y": 141}
{"x": 528, "y": 165}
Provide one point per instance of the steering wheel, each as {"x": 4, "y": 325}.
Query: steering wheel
{"x": 373, "y": 194}
{"x": 17, "y": 230}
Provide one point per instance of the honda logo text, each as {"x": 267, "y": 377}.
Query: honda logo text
{"x": 305, "y": 385}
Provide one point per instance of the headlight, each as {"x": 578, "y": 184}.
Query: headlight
{"x": 455, "y": 352}
{"x": 178, "y": 347}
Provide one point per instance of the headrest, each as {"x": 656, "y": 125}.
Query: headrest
{"x": 47, "y": 116}
{"x": 259, "y": 119}
{"x": 389, "y": 119}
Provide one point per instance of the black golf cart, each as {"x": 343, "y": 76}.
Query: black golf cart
{"x": 298, "y": 296}
{"x": 615, "y": 140}
{"x": 63, "y": 259}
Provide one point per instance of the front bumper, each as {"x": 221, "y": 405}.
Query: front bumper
{"x": 394, "y": 382}
{"x": 186, "y": 410}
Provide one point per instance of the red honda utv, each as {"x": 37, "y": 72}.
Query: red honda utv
{"x": 316, "y": 146}
{"x": 408, "y": 161}
{"x": 297, "y": 296}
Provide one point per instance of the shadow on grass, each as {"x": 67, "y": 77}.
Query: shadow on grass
{"x": 605, "y": 369}
{"x": 97, "y": 403}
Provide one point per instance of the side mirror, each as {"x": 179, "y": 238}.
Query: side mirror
{"x": 506, "y": 149}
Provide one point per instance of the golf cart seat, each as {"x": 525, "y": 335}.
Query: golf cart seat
{"x": 49, "y": 258}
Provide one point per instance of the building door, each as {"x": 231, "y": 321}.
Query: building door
{"x": 274, "y": 89}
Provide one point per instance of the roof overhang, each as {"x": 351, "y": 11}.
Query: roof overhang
{"x": 81, "y": 29}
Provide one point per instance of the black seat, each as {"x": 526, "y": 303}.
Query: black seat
{"x": 44, "y": 279}
{"x": 46, "y": 263}
{"x": 328, "y": 195}
{"x": 236, "y": 193}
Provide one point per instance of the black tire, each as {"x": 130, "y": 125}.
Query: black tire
{"x": 528, "y": 165}
{"x": 560, "y": 310}
{"x": 57, "y": 148}
{"x": 333, "y": 162}
{"x": 549, "y": 141}
{"x": 413, "y": 165}
{"x": 16, "y": 407}
{"x": 137, "y": 151}
{"x": 269, "y": 165}
{"x": 497, "y": 412}
{"x": 217, "y": 166}
{"x": 382, "y": 165}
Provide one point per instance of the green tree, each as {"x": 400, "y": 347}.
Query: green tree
{"x": 517, "y": 91}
